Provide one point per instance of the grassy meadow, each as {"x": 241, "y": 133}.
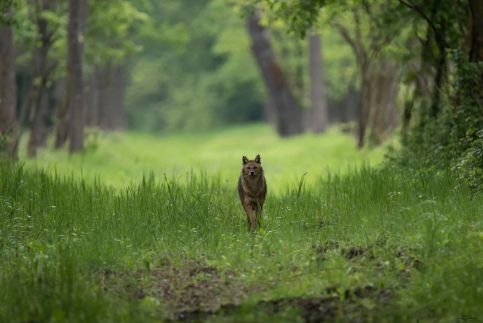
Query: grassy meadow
{"x": 121, "y": 159}
{"x": 88, "y": 238}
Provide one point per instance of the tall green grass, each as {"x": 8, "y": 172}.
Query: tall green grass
{"x": 417, "y": 234}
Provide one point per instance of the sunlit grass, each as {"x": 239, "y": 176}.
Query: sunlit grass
{"x": 119, "y": 159}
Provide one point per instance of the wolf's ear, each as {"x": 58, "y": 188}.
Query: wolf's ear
{"x": 258, "y": 160}
{"x": 244, "y": 160}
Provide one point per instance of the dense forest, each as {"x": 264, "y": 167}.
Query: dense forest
{"x": 122, "y": 129}
{"x": 375, "y": 66}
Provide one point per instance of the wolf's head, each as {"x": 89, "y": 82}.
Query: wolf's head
{"x": 252, "y": 169}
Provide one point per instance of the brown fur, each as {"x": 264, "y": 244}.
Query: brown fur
{"x": 252, "y": 189}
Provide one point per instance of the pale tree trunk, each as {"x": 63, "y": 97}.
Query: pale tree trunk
{"x": 377, "y": 106}
{"x": 382, "y": 109}
{"x": 318, "y": 111}
{"x": 363, "y": 107}
{"x": 363, "y": 63}
{"x": 118, "y": 87}
{"x": 75, "y": 87}
{"x": 269, "y": 113}
{"x": 9, "y": 130}
{"x": 92, "y": 101}
{"x": 105, "y": 98}
{"x": 62, "y": 132}
{"x": 288, "y": 111}
{"x": 41, "y": 72}
{"x": 111, "y": 98}
{"x": 350, "y": 104}
{"x": 375, "y": 95}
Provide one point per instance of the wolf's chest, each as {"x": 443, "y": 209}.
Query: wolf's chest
{"x": 253, "y": 192}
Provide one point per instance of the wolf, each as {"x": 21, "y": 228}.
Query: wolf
{"x": 252, "y": 189}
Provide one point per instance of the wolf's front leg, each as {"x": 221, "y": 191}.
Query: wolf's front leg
{"x": 258, "y": 217}
{"x": 252, "y": 217}
{"x": 258, "y": 212}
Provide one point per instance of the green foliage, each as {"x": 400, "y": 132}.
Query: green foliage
{"x": 450, "y": 121}
{"x": 197, "y": 72}
{"x": 25, "y": 32}
{"x": 5, "y": 139}
{"x": 453, "y": 139}
{"x": 110, "y": 31}
{"x": 175, "y": 87}
{"x": 469, "y": 166}
{"x": 6, "y": 7}
{"x": 108, "y": 36}
{"x": 339, "y": 63}
{"x": 290, "y": 45}
{"x": 27, "y": 38}
{"x": 301, "y": 16}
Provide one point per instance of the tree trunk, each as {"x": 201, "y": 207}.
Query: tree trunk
{"x": 62, "y": 133}
{"x": 377, "y": 106}
{"x": 111, "y": 98}
{"x": 75, "y": 87}
{"x": 118, "y": 87}
{"x": 363, "y": 106}
{"x": 60, "y": 97}
{"x": 382, "y": 110}
{"x": 364, "y": 64}
{"x": 439, "y": 80}
{"x": 476, "y": 30}
{"x": 92, "y": 100}
{"x": 319, "y": 115}
{"x": 269, "y": 113}
{"x": 8, "y": 96}
{"x": 41, "y": 72}
{"x": 289, "y": 114}
{"x": 104, "y": 97}
{"x": 350, "y": 104}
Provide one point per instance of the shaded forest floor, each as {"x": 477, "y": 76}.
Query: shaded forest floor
{"x": 374, "y": 244}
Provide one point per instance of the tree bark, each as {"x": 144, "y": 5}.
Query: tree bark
{"x": 319, "y": 113}
{"x": 382, "y": 110}
{"x": 377, "y": 106}
{"x": 92, "y": 100}
{"x": 118, "y": 87}
{"x": 9, "y": 130}
{"x": 376, "y": 111}
{"x": 41, "y": 72}
{"x": 111, "y": 98}
{"x": 364, "y": 64}
{"x": 363, "y": 107}
{"x": 439, "y": 80}
{"x": 476, "y": 30}
{"x": 105, "y": 98}
{"x": 289, "y": 113}
{"x": 75, "y": 87}
{"x": 62, "y": 125}
{"x": 62, "y": 133}
{"x": 350, "y": 104}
